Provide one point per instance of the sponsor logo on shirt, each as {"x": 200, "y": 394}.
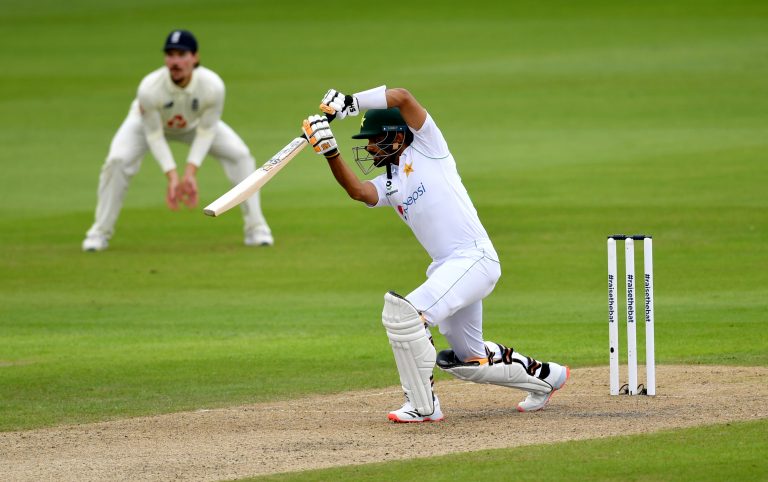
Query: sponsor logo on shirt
{"x": 176, "y": 122}
{"x": 168, "y": 104}
{"x": 195, "y": 104}
{"x": 417, "y": 194}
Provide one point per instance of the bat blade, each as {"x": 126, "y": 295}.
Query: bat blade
{"x": 248, "y": 186}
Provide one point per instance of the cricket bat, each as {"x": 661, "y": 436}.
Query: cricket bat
{"x": 256, "y": 180}
{"x": 248, "y": 186}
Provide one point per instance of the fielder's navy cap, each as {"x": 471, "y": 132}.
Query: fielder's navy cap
{"x": 180, "y": 40}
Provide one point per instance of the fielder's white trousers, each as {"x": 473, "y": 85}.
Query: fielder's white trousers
{"x": 452, "y": 296}
{"x": 127, "y": 150}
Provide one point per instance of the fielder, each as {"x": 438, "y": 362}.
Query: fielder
{"x": 423, "y": 186}
{"x": 180, "y": 102}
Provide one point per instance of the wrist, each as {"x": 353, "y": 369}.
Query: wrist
{"x": 191, "y": 169}
{"x": 375, "y": 98}
{"x": 332, "y": 155}
{"x": 172, "y": 175}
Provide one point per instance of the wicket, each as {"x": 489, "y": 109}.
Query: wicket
{"x": 613, "y": 322}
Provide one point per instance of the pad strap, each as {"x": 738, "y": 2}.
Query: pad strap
{"x": 532, "y": 367}
{"x": 512, "y": 374}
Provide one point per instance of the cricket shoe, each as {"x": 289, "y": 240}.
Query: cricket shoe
{"x": 95, "y": 243}
{"x": 556, "y": 378}
{"x": 408, "y": 414}
{"x": 259, "y": 236}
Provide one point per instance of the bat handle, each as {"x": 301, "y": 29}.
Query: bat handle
{"x": 328, "y": 115}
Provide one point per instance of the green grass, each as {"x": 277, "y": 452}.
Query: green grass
{"x": 718, "y": 452}
{"x": 568, "y": 121}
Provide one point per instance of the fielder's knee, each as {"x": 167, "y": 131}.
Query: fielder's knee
{"x": 119, "y": 164}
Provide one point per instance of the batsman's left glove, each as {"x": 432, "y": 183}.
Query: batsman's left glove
{"x": 319, "y": 135}
{"x": 334, "y": 102}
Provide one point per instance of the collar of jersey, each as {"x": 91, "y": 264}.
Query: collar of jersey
{"x": 175, "y": 87}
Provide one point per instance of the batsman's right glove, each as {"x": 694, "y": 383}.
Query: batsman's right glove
{"x": 334, "y": 102}
{"x": 319, "y": 135}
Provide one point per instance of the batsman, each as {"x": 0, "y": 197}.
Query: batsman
{"x": 422, "y": 185}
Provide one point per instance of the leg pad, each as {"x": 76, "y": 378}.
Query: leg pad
{"x": 414, "y": 352}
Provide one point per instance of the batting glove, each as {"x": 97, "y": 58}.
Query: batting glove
{"x": 334, "y": 102}
{"x": 318, "y": 133}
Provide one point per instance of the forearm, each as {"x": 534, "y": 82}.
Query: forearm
{"x": 204, "y": 134}
{"x": 379, "y": 97}
{"x": 397, "y": 97}
{"x": 383, "y": 98}
{"x": 161, "y": 151}
{"x": 153, "y": 131}
{"x": 355, "y": 188}
{"x": 318, "y": 134}
{"x": 200, "y": 146}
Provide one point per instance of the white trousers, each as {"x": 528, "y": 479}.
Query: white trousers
{"x": 127, "y": 150}
{"x": 452, "y": 296}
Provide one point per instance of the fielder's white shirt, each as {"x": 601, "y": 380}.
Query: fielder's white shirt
{"x": 427, "y": 193}
{"x": 169, "y": 110}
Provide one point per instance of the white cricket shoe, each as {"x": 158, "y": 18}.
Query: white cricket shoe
{"x": 557, "y": 377}
{"x": 259, "y": 236}
{"x": 95, "y": 243}
{"x": 408, "y": 414}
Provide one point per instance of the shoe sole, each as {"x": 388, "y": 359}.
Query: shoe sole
{"x": 567, "y": 377}
{"x": 394, "y": 418}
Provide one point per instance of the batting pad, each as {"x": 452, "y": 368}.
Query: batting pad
{"x": 414, "y": 353}
{"x": 510, "y": 375}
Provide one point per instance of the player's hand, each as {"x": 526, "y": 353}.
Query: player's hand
{"x": 172, "y": 193}
{"x": 187, "y": 191}
{"x": 318, "y": 133}
{"x": 334, "y": 102}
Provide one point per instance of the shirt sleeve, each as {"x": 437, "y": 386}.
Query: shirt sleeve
{"x": 206, "y": 128}
{"x": 429, "y": 140}
{"x": 380, "y": 183}
{"x": 153, "y": 131}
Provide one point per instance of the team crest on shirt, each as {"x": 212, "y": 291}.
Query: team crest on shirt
{"x": 195, "y": 104}
{"x": 408, "y": 169}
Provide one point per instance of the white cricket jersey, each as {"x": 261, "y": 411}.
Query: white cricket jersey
{"x": 427, "y": 193}
{"x": 180, "y": 107}
{"x": 169, "y": 110}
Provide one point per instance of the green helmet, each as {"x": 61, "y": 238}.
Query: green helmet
{"x": 380, "y": 121}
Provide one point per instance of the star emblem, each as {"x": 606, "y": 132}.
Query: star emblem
{"x": 408, "y": 169}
